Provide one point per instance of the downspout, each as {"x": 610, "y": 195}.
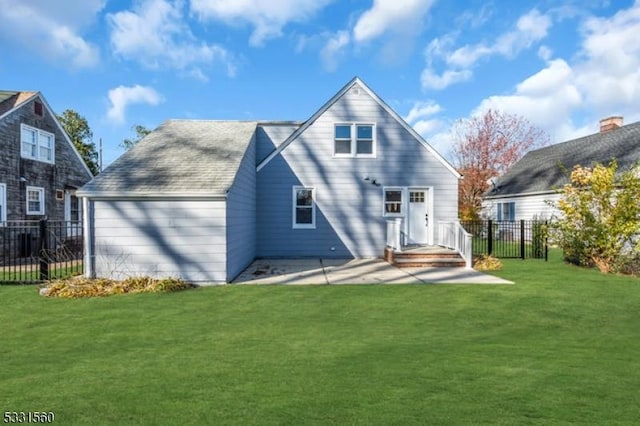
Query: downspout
{"x": 87, "y": 205}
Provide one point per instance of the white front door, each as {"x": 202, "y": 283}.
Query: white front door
{"x": 418, "y": 216}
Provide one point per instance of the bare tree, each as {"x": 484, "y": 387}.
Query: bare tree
{"x": 486, "y": 147}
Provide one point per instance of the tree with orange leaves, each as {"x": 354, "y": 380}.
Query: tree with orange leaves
{"x": 486, "y": 147}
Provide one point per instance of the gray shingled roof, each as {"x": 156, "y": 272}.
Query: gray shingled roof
{"x": 545, "y": 169}
{"x": 179, "y": 157}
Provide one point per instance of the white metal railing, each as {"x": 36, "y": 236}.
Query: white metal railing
{"x": 394, "y": 234}
{"x": 452, "y": 235}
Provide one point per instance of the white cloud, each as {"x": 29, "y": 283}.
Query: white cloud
{"x": 602, "y": 80}
{"x": 156, "y": 35}
{"x": 122, "y": 96}
{"x": 529, "y": 29}
{"x": 391, "y": 16}
{"x": 421, "y": 118}
{"x": 545, "y": 53}
{"x": 610, "y": 71}
{"x": 430, "y": 80}
{"x": 333, "y": 49}
{"x": 546, "y": 99}
{"x": 52, "y": 29}
{"x": 421, "y": 110}
{"x": 395, "y": 23}
{"x": 268, "y": 17}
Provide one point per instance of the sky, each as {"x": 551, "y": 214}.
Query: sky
{"x": 562, "y": 65}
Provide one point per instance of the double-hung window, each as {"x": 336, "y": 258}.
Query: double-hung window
{"x": 393, "y": 202}
{"x": 507, "y": 211}
{"x": 35, "y": 200}
{"x": 304, "y": 207}
{"x": 354, "y": 140}
{"x": 37, "y": 144}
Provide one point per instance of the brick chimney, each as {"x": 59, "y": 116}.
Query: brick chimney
{"x": 610, "y": 123}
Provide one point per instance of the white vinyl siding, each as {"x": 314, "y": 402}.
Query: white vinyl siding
{"x": 354, "y": 140}
{"x": 304, "y": 207}
{"x": 160, "y": 238}
{"x": 36, "y": 144}
{"x": 528, "y": 207}
{"x": 35, "y": 200}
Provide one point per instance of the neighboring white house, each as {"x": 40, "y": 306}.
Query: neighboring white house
{"x": 201, "y": 199}
{"x": 525, "y": 191}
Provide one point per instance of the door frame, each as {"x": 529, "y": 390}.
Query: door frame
{"x": 428, "y": 190}
{"x": 429, "y": 201}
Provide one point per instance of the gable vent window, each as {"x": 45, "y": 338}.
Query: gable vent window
{"x": 37, "y": 108}
{"x": 354, "y": 140}
{"x": 37, "y": 144}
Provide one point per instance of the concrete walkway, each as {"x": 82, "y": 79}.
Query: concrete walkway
{"x": 355, "y": 271}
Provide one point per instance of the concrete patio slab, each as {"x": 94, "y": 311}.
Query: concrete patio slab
{"x": 355, "y": 271}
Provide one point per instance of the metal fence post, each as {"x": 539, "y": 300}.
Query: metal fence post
{"x": 490, "y": 238}
{"x": 546, "y": 240}
{"x": 44, "y": 246}
{"x": 522, "y": 246}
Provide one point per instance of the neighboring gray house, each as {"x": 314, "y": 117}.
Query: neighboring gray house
{"x": 525, "y": 191}
{"x": 40, "y": 169}
{"x": 202, "y": 199}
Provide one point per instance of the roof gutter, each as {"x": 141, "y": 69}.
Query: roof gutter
{"x": 522, "y": 194}
{"x": 119, "y": 195}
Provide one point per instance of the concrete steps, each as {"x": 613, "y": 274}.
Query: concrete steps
{"x": 424, "y": 256}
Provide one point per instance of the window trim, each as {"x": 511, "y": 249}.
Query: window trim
{"x": 511, "y": 209}
{"x": 354, "y": 140}
{"x": 40, "y": 192}
{"x": 39, "y": 134}
{"x": 3, "y": 204}
{"x": 384, "y": 201}
{"x": 294, "y": 206}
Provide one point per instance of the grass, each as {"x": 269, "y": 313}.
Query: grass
{"x": 562, "y": 346}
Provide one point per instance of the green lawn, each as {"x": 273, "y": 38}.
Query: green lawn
{"x": 562, "y": 346}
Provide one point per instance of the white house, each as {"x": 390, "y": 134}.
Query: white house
{"x": 525, "y": 191}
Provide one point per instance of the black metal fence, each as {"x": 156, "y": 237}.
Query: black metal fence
{"x": 35, "y": 251}
{"x": 523, "y": 239}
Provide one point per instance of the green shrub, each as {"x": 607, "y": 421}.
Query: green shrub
{"x": 600, "y": 218}
{"x": 538, "y": 238}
